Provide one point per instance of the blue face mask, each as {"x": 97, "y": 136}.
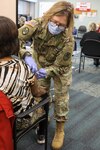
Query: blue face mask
{"x": 54, "y": 29}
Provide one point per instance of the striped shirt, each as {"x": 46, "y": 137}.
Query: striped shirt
{"x": 13, "y": 82}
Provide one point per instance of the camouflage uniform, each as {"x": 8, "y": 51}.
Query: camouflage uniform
{"x": 54, "y": 53}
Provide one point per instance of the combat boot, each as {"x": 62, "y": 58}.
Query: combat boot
{"x": 58, "y": 139}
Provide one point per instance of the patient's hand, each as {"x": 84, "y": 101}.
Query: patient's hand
{"x": 41, "y": 91}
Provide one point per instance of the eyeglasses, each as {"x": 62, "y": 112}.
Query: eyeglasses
{"x": 56, "y": 23}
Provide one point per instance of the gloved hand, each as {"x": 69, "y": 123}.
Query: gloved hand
{"x": 41, "y": 73}
{"x": 31, "y": 63}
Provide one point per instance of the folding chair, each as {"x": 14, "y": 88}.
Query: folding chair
{"x": 18, "y": 135}
{"x": 81, "y": 30}
{"x": 90, "y": 49}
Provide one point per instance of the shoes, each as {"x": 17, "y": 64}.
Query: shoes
{"x": 40, "y": 137}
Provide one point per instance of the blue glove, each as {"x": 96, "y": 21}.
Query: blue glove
{"x": 41, "y": 73}
{"x": 31, "y": 63}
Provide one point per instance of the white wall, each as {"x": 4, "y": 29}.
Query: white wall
{"x": 39, "y": 8}
{"x": 8, "y": 9}
{"x": 23, "y": 7}
{"x": 44, "y": 6}
{"x": 95, "y": 4}
{"x": 32, "y": 9}
{"x": 26, "y": 8}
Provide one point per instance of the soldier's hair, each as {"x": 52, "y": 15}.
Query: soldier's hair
{"x": 92, "y": 27}
{"x": 59, "y": 9}
{"x": 9, "y": 44}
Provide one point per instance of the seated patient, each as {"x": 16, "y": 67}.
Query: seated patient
{"x": 16, "y": 79}
{"x": 91, "y": 34}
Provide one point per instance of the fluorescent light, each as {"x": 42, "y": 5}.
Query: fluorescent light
{"x": 31, "y": 0}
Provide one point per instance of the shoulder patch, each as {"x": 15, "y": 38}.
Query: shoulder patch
{"x": 25, "y": 30}
{"x": 66, "y": 56}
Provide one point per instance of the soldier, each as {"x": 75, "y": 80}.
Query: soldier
{"x": 51, "y": 57}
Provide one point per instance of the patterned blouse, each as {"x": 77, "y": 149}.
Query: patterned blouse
{"x": 13, "y": 82}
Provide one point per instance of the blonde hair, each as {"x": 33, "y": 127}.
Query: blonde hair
{"x": 59, "y": 9}
{"x": 92, "y": 27}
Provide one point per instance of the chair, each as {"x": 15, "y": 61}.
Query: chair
{"x": 90, "y": 49}
{"x": 81, "y": 30}
{"x": 18, "y": 135}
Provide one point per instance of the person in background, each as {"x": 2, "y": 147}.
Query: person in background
{"x": 21, "y": 21}
{"x": 75, "y": 36}
{"x": 17, "y": 81}
{"x": 51, "y": 57}
{"x": 74, "y": 32}
{"x": 98, "y": 28}
{"x": 91, "y": 34}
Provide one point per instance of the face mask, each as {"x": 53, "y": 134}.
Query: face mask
{"x": 54, "y": 29}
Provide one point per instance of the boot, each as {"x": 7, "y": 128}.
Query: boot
{"x": 58, "y": 139}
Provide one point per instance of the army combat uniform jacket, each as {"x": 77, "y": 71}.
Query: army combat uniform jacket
{"x": 54, "y": 53}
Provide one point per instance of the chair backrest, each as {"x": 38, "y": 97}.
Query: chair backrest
{"x": 43, "y": 103}
{"x": 91, "y": 48}
{"x": 82, "y": 29}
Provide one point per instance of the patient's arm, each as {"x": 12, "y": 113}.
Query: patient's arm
{"x": 35, "y": 88}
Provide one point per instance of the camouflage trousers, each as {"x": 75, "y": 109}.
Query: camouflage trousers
{"x": 31, "y": 118}
{"x": 23, "y": 123}
{"x": 61, "y": 91}
{"x": 61, "y": 95}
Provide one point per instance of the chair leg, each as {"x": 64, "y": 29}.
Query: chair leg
{"x": 46, "y": 129}
{"x": 83, "y": 62}
{"x": 80, "y": 63}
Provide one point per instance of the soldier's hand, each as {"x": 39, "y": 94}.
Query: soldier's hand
{"x": 41, "y": 73}
{"x": 31, "y": 63}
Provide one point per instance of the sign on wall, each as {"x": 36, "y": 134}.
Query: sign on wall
{"x": 83, "y": 6}
{"x": 83, "y": 9}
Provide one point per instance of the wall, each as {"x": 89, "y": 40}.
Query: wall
{"x": 26, "y": 8}
{"x": 8, "y": 9}
{"x": 95, "y": 4}
{"x": 23, "y": 7}
{"x": 32, "y": 9}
